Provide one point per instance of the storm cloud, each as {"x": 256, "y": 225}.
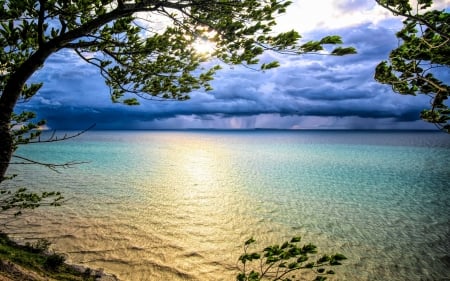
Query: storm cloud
{"x": 309, "y": 91}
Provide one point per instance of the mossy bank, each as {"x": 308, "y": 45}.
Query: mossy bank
{"x": 34, "y": 262}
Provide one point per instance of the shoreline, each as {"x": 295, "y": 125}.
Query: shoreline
{"x": 10, "y": 271}
{"x": 35, "y": 263}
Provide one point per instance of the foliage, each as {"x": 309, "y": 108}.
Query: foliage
{"x": 20, "y": 199}
{"x": 423, "y": 53}
{"x": 48, "y": 265}
{"x": 39, "y": 246}
{"x": 284, "y": 262}
{"x": 54, "y": 261}
{"x": 142, "y": 49}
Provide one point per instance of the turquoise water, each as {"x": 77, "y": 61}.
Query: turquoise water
{"x": 178, "y": 205}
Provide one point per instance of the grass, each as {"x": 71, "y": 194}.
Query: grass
{"x": 37, "y": 259}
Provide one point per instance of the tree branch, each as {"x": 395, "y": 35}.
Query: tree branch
{"x": 54, "y": 137}
{"x": 51, "y": 166}
{"x": 82, "y": 44}
{"x": 40, "y": 27}
{"x": 414, "y": 17}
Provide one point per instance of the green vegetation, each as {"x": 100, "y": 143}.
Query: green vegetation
{"x": 422, "y": 55}
{"x": 285, "y": 262}
{"x": 21, "y": 262}
{"x": 14, "y": 202}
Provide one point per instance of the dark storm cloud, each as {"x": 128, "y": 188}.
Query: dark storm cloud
{"x": 332, "y": 94}
{"x": 309, "y": 88}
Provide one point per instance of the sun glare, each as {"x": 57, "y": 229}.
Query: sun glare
{"x": 204, "y": 47}
{"x": 204, "y": 44}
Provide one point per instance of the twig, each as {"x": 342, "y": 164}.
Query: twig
{"x": 51, "y": 166}
{"x": 54, "y": 137}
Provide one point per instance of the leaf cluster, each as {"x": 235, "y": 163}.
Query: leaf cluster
{"x": 285, "y": 262}
{"x": 414, "y": 67}
{"x": 21, "y": 199}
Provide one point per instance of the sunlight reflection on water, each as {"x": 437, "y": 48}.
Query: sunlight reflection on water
{"x": 179, "y": 205}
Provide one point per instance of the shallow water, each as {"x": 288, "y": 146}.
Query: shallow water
{"x": 178, "y": 205}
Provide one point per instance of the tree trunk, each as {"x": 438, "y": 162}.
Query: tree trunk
{"x": 6, "y": 149}
{"x": 8, "y": 101}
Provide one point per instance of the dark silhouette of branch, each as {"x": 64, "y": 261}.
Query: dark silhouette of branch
{"x": 51, "y": 166}
{"x": 54, "y": 137}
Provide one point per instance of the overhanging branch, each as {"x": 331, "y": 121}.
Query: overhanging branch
{"x": 418, "y": 19}
{"x": 54, "y": 138}
{"x": 51, "y": 166}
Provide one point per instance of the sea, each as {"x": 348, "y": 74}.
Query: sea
{"x": 179, "y": 205}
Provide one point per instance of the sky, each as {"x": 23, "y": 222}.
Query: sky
{"x": 305, "y": 92}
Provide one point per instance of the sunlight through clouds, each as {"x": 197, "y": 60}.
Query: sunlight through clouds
{"x": 307, "y": 91}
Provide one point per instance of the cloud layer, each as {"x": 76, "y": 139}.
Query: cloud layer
{"x": 310, "y": 91}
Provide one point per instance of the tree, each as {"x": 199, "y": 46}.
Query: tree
{"x": 282, "y": 262}
{"x": 422, "y": 56}
{"x": 135, "y": 52}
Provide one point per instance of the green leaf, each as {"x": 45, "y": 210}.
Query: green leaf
{"x": 284, "y": 245}
{"x": 341, "y": 51}
{"x": 334, "y": 39}
{"x": 250, "y": 241}
{"x": 296, "y": 239}
{"x": 339, "y": 257}
{"x": 336, "y": 259}
{"x": 324, "y": 258}
{"x": 302, "y": 258}
{"x": 132, "y": 101}
{"x": 270, "y": 65}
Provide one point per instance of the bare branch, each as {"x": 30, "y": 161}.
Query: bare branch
{"x": 54, "y": 137}
{"x": 52, "y": 166}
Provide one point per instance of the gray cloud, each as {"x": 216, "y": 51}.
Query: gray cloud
{"x": 311, "y": 91}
